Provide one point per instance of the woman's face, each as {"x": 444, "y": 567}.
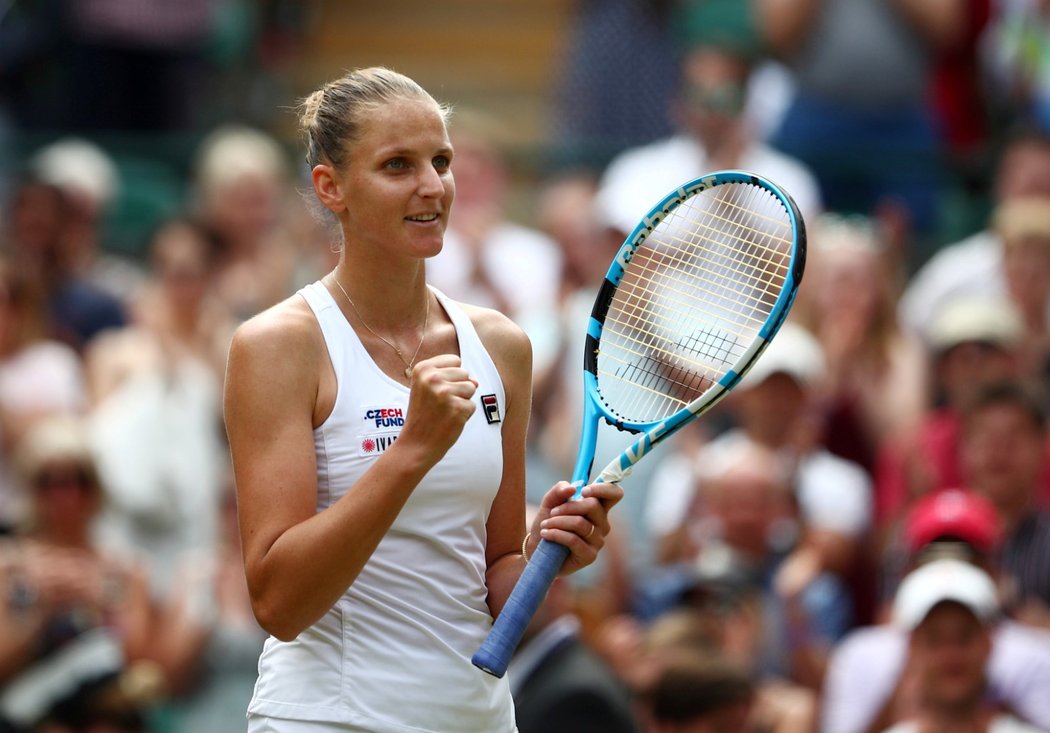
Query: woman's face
{"x": 397, "y": 185}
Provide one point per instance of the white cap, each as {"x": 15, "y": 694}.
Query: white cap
{"x": 983, "y": 319}
{"x": 81, "y": 168}
{"x": 793, "y": 351}
{"x": 944, "y": 580}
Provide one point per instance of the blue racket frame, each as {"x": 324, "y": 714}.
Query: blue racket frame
{"x": 494, "y": 654}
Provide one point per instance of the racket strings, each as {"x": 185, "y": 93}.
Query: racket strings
{"x": 692, "y": 300}
{"x": 732, "y": 306}
{"x": 772, "y": 266}
{"x": 685, "y": 256}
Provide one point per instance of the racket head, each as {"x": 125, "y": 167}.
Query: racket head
{"x": 687, "y": 306}
{"x": 691, "y": 300}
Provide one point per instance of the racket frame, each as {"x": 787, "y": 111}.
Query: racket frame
{"x": 495, "y": 652}
{"x": 655, "y": 431}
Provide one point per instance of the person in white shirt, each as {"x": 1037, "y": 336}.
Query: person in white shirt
{"x": 377, "y": 430}
{"x": 973, "y": 266}
{"x": 948, "y": 607}
{"x": 713, "y": 135}
{"x": 869, "y": 679}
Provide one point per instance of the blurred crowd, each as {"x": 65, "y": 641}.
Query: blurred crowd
{"x": 857, "y": 539}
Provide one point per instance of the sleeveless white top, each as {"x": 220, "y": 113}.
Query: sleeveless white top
{"x": 393, "y": 654}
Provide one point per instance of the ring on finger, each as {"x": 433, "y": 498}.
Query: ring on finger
{"x": 589, "y": 533}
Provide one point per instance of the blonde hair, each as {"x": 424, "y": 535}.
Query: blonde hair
{"x": 330, "y": 118}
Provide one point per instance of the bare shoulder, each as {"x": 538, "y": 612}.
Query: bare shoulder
{"x": 502, "y": 337}
{"x": 288, "y": 328}
{"x": 278, "y": 350}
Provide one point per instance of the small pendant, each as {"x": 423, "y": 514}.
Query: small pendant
{"x": 408, "y": 372}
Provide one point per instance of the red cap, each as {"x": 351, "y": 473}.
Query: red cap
{"x": 953, "y": 513}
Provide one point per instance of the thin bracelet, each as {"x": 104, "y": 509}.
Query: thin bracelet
{"x": 524, "y": 544}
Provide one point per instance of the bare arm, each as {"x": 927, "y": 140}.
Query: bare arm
{"x": 298, "y": 562}
{"x": 505, "y": 529}
{"x": 570, "y": 523}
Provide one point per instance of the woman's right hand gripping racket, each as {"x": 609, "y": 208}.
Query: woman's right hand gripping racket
{"x": 692, "y": 298}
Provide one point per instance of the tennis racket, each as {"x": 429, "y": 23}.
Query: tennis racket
{"x": 690, "y": 301}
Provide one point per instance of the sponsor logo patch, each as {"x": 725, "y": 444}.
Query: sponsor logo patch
{"x": 385, "y": 417}
{"x": 382, "y": 425}
{"x": 490, "y": 406}
{"x": 374, "y": 445}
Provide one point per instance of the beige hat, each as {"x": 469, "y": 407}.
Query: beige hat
{"x": 1023, "y": 218}
{"x": 978, "y": 319}
{"x": 54, "y": 439}
{"x": 79, "y": 167}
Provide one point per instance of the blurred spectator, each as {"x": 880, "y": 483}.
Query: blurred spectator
{"x": 869, "y": 685}
{"x": 712, "y": 134}
{"x": 208, "y": 639}
{"x": 176, "y": 315}
{"x": 242, "y": 191}
{"x": 565, "y": 213}
{"x": 76, "y": 621}
{"x": 773, "y": 407}
{"x": 946, "y": 515}
{"x": 487, "y": 258}
{"x": 695, "y": 695}
{"x": 156, "y": 408}
{"x": 41, "y": 220}
{"x": 742, "y": 521}
{"x": 1023, "y": 226}
{"x": 558, "y": 683}
{"x": 1017, "y": 49}
{"x": 718, "y": 633}
{"x": 38, "y": 376}
{"x": 89, "y": 177}
{"x": 973, "y": 342}
{"x": 949, "y": 608}
{"x": 973, "y": 266}
{"x": 860, "y": 116}
{"x": 874, "y": 382}
{"x": 1003, "y": 457}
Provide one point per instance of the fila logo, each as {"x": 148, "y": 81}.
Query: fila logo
{"x": 491, "y": 407}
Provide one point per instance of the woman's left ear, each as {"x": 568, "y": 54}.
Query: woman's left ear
{"x": 327, "y": 188}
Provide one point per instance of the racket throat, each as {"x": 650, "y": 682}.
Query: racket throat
{"x": 588, "y": 440}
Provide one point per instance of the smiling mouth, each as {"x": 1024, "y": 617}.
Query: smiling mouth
{"x": 423, "y": 218}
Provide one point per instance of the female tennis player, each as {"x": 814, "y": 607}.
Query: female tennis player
{"x": 378, "y": 434}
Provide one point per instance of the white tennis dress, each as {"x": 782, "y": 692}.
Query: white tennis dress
{"x": 393, "y": 654}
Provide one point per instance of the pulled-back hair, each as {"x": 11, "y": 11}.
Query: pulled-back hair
{"x": 330, "y": 118}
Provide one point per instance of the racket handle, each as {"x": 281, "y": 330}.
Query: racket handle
{"x": 494, "y": 654}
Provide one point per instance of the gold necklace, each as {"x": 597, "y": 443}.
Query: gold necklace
{"x": 409, "y": 363}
